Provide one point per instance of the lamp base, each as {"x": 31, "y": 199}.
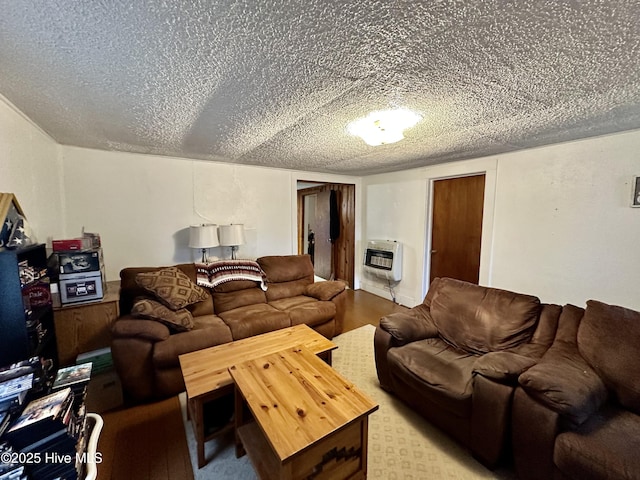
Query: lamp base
{"x": 233, "y": 252}
{"x": 204, "y": 255}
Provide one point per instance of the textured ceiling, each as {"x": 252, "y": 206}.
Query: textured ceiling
{"x": 276, "y": 82}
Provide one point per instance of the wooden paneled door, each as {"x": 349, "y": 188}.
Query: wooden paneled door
{"x": 323, "y": 266}
{"x": 457, "y": 228}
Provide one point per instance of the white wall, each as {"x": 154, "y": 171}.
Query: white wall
{"x": 30, "y": 167}
{"x": 142, "y": 205}
{"x": 397, "y": 208}
{"x": 564, "y": 227}
{"x": 557, "y": 221}
{"x": 392, "y": 213}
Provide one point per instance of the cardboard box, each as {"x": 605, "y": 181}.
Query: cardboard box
{"x": 81, "y": 287}
{"x": 104, "y": 392}
{"x": 101, "y": 360}
{"x": 70, "y": 244}
{"x": 79, "y": 262}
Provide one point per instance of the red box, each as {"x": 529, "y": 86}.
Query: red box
{"x": 71, "y": 244}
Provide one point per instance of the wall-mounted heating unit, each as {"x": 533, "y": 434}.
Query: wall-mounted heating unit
{"x": 383, "y": 258}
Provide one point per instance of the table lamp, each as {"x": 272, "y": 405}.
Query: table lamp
{"x": 203, "y": 236}
{"x": 232, "y": 236}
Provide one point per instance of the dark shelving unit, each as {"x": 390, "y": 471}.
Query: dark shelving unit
{"x": 26, "y": 313}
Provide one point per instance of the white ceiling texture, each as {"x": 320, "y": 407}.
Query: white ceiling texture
{"x": 276, "y": 82}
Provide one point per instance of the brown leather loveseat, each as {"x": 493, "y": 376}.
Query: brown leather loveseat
{"x": 577, "y": 413}
{"x": 456, "y": 358}
{"x": 145, "y": 351}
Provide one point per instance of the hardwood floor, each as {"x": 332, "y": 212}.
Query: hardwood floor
{"x": 147, "y": 442}
{"x": 144, "y": 442}
{"x": 366, "y": 308}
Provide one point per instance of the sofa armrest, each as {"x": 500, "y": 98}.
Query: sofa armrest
{"x": 132, "y": 344}
{"x": 502, "y": 366}
{"x": 130, "y": 327}
{"x": 382, "y": 342}
{"x": 410, "y": 326}
{"x": 324, "y": 291}
{"x": 565, "y": 383}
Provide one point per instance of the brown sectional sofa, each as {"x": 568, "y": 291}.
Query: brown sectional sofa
{"x": 576, "y": 414}
{"x": 456, "y": 358}
{"x": 145, "y": 351}
{"x": 557, "y": 387}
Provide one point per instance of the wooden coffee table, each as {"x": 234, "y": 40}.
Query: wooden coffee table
{"x": 309, "y": 421}
{"x": 206, "y": 372}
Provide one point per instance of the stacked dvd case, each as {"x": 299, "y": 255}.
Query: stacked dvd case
{"x": 50, "y": 435}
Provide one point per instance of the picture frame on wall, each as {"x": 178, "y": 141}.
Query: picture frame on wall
{"x": 635, "y": 199}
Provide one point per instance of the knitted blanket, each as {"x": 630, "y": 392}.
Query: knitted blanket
{"x": 211, "y": 274}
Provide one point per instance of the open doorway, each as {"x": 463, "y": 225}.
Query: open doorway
{"x": 326, "y": 228}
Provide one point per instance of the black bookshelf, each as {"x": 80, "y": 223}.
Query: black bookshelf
{"x": 26, "y": 313}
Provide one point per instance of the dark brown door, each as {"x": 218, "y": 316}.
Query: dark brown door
{"x": 457, "y": 228}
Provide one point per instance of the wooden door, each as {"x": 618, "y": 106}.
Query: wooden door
{"x": 323, "y": 259}
{"x": 457, "y": 228}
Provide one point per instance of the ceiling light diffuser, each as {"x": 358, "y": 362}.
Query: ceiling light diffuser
{"x": 384, "y": 126}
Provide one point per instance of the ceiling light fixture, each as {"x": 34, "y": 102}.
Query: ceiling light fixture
{"x": 384, "y": 126}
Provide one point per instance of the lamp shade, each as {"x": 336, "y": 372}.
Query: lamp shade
{"x": 203, "y": 236}
{"x": 232, "y": 235}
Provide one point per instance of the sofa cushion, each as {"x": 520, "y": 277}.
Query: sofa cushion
{"x": 312, "y": 314}
{"x": 236, "y": 294}
{"x": 440, "y": 372}
{"x": 277, "y": 291}
{"x": 177, "y": 320}
{"x": 255, "y": 319}
{"x": 289, "y": 303}
{"x": 481, "y": 319}
{"x": 609, "y": 340}
{"x": 606, "y": 446}
{"x": 287, "y": 275}
{"x": 172, "y": 287}
{"x": 208, "y": 330}
{"x": 286, "y": 268}
{"x": 433, "y": 288}
{"x": 303, "y": 309}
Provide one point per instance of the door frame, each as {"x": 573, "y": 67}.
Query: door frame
{"x": 486, "y": 247}
{"x": 349, "y": 253}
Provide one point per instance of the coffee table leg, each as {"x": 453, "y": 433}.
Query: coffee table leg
{"x": 239, "y": 420}
{"x": 198, "y": 426}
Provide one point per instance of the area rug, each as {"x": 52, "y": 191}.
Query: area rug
{"x": 402, "y": 445}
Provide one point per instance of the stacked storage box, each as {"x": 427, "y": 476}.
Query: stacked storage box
{"x": 105, "y": 390}
{"x": 80, "y": 267}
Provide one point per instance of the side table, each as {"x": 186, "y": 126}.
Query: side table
{"x": 84, "y": 327}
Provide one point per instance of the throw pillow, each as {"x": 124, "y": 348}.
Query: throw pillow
{"x": 172, "y": 287}
{"x": 179, "y": 321}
